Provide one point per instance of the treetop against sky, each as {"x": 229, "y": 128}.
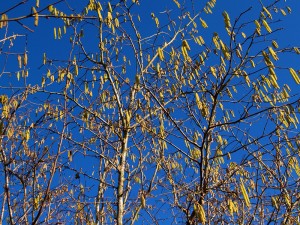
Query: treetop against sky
{"x": 149, "y": 112}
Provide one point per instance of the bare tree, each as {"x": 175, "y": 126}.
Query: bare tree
{"x": 130, "y": 112}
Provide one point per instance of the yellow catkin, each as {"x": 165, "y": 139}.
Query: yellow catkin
{"x": 295, "y": 75}
{"x": 200, "y": 213}
{"x": 36, "y": 16}
{"x": 203, "y": 23}
{"x": 245, "y": 194}
{"x": 160, "y": 54}
{"x": 185, "y": 44}
{"x": 143, "y": 201}
{"x": 267, "y": 12}
{"x": 266, "y": 25}
{"x": 213, "y": 71}
{"x": 273, "y": 54}
{"x": 25, "y": 59}
{"x": 226, "y": 19}
{"x": 275, "y": 45}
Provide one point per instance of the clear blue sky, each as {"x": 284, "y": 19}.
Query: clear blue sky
{"x": 40, "y": 40}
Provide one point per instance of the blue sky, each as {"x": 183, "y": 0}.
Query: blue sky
{"x": 40, "y": 40}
